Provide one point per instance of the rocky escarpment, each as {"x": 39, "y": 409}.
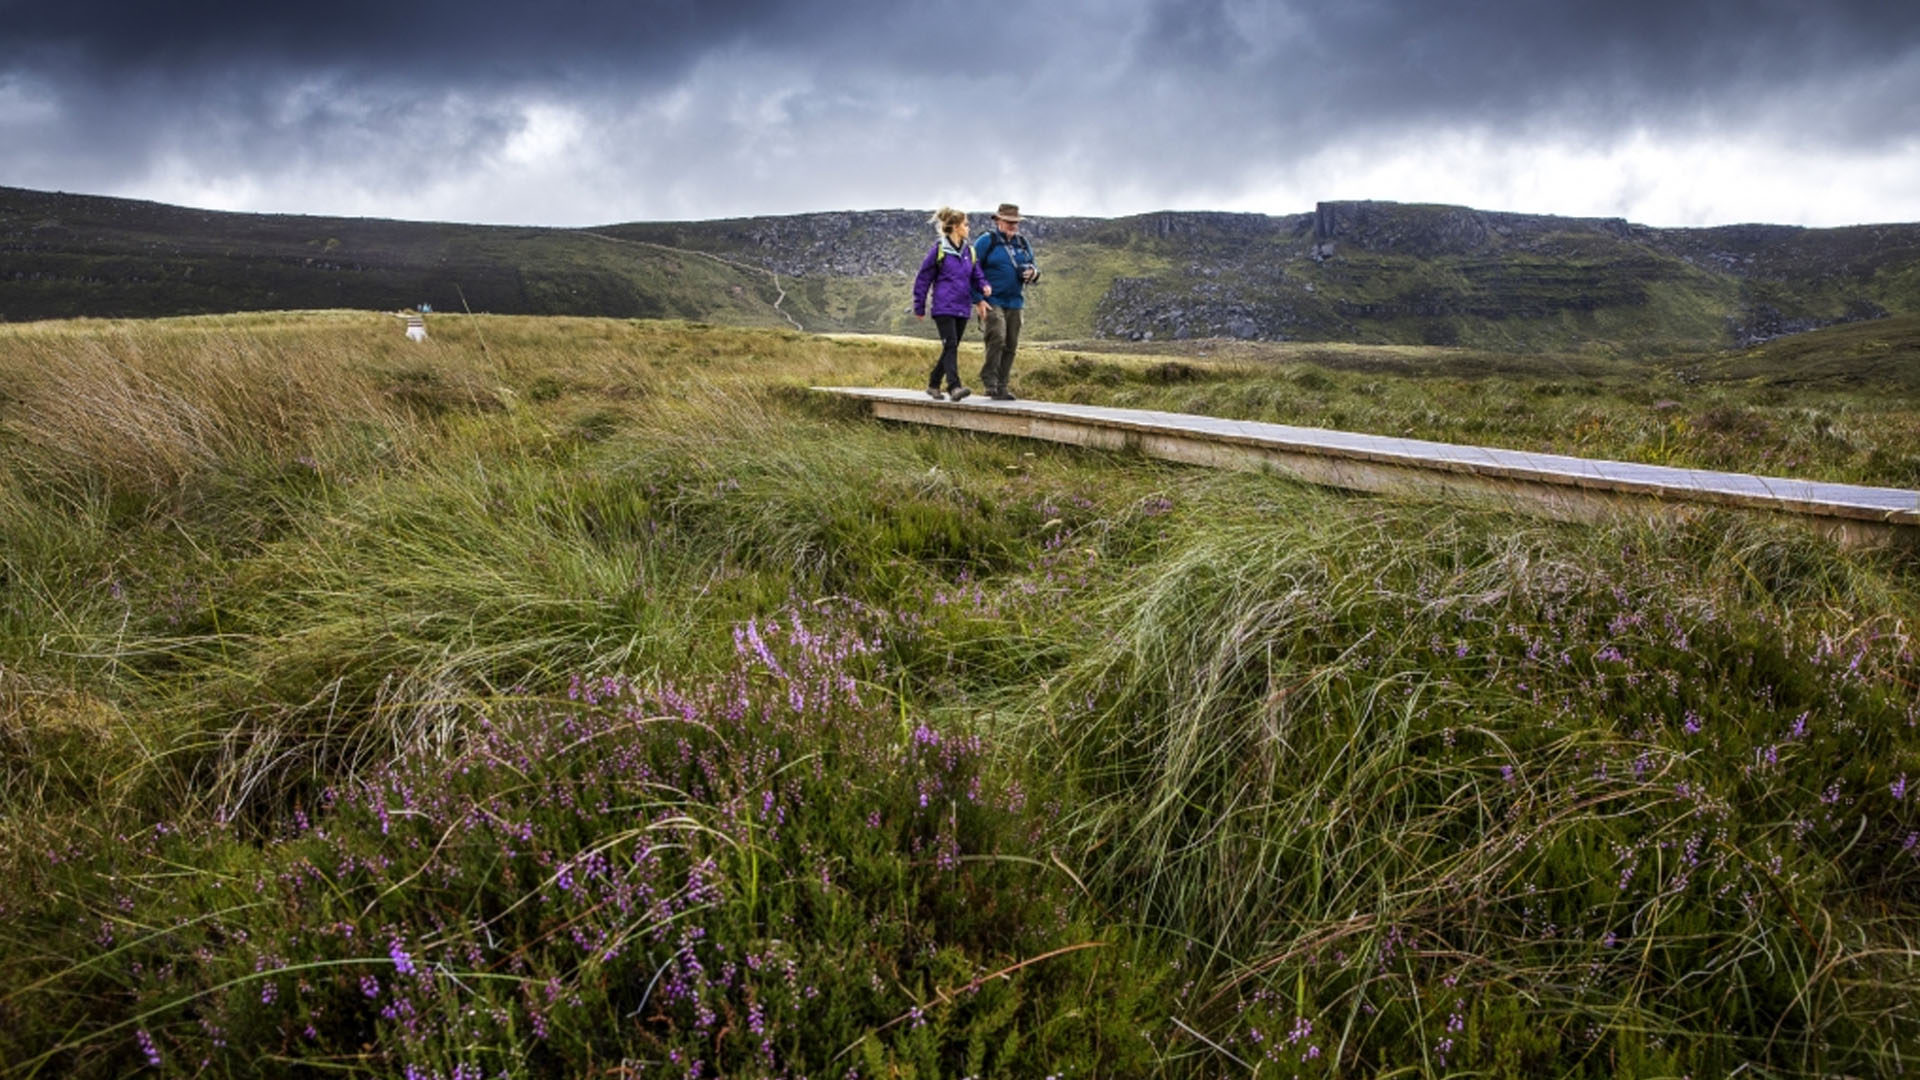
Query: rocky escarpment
{"x": 1374, "y": 270}
{"x": 1143, "y": 309}
{"x": 1445, "y": 274}
{"x": 1434, "y": 231}
{"x": 1793, "y": 280}
{"x": 1217, "y": 275}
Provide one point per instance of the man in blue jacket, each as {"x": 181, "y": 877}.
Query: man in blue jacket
{"x": 1007, "y": 261}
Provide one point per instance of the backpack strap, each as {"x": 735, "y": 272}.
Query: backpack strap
{"x": 993, "y": 237}
{"x": 940, "y": 254}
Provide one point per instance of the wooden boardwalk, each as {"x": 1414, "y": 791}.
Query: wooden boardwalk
{"x": 1559, "y": 486}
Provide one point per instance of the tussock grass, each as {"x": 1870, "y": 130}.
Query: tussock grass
{"x": 1384, "y": 755}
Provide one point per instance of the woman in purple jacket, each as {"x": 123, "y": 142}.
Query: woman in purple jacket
{"x": 947, "y": 281}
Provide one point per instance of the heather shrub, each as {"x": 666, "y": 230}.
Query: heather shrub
{"x": 778, "y": 871}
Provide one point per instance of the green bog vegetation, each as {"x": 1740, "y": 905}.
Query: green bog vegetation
{"x": 588, "y": 697}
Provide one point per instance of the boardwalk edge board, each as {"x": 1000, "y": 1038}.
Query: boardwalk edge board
{"x": 1551, "y": 485}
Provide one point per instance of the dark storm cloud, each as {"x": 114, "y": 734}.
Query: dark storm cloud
{"x": 1595, "y": 64}
{"x": 425, "y": 40}
{"x": 1220, "y": 96}
{"x": 719, "y": 106}
{"x": 245, "y": 85}
{"x": 1372, "y": 60}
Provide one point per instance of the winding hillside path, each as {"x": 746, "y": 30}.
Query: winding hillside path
{"x": 1552, "y": 485}
{"x": 749, "y": 267}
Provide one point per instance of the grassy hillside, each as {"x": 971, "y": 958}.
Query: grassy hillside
{"x": 1375, "y": 273}
{"x": 63, "y": 256}
{"x": 1875, "y": 356}
{"x": 578, "y": 696}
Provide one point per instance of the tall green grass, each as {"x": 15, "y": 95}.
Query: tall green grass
{"x": 1418, "y": 772}
{"x": 328, "y": 658}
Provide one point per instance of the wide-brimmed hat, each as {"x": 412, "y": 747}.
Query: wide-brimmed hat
{"x": 1007, "y": 212}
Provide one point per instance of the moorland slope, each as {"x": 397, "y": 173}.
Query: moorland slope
{"x": 1372, "y": 272}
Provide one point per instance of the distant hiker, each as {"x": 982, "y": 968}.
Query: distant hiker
{"x": 948, "y": 281}
{"x": 1006, "y": 260}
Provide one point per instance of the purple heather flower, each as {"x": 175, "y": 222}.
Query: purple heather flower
{"x": 749, "y": 637}
{"x": 147, "y": 1049}
{"x": 402, "y": 960}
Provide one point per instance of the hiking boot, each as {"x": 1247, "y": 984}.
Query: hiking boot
{"x": 1006, "y": 394}
{"x": 958, "y": 393}
{"x": 998, "y": 394}
{"x": 934, "y": 393}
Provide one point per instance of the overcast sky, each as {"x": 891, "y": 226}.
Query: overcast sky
{"x": 577, "y": 112}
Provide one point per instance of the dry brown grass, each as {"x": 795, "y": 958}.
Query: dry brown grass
{"x": 142, "y": 405}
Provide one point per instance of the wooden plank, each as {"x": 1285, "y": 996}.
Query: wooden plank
{"x": 1559, "y": 486}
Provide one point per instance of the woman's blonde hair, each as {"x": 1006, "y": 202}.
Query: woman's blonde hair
{"x": 947, "y": 217}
